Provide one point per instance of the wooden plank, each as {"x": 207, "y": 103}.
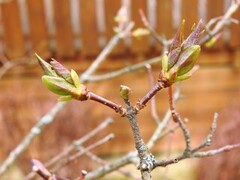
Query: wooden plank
{"x": 139, "y": 45}
{"x": 89, "y": 29}
{"x": 111, "y": 10}
{"x": 190, "y": 14}
{"x": 215, "y": 10}
{"x": 38, "y": 27}
{"x": 215, "y": 57}
{"x": 164, "y": 19}
{"x": 12, "y": 31}
{"x": 236, "y": 59}
{"x": 63, "y": 28}
{"x": 235, "y": 32}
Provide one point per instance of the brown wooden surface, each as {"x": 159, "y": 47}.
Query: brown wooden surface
{"x": 139, "y": 45}
{"x": 89, "y": 29}
{"x": 235, "y": 32}
{"x": 12, "y": 32}
{"x": 38, "y": 27}
{"x": 190, "y": 14}
{"x": 215, "y": 10}
{"x": 14, "y": 40}
{"x": 164, "y": 19}
{"x": 236, "y": 59}
{"x": 111, "y": 9}
{"x": 63, "y": 28}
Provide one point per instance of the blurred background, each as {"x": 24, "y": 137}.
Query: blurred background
{"x": 74, "y": 32}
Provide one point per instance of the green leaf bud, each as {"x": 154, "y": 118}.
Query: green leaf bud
{"x": 61, "y": 70}
{"x": 183, "y": 77}
{"x": 125, "y": 92}
{"x": 165, "y": 63}
{"x": 46, "y": 67}
{"x": 65, "y": 98}
{"x": 75, "y": 78}
{"x": 57, "y": 85}
{"x": 187, "y": 59}
{"x": 139, "y": 32}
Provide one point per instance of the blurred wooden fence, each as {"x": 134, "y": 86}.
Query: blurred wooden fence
{"x": 67, "y": 27}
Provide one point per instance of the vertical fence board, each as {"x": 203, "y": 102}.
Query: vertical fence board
{"x": 164, "y": 19}
{"x": 215, "y": 9}
{"x": 89, "y": 29}
{"x": 38, "y": 27}
{"x": 235, "y": 32}
{"x": 190, "y": 14}
{"x": 139, "y": 45}
{"x": 63, "y": 28}
{"x": 235, "y": 40}
{"x": 111, "y": 9}
{"x": 12, "y": 35}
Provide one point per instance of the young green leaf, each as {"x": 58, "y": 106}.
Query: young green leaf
{"x": 46, "y": 67}
{"x": 187, "y": 59}
{"x": 61, "y": 70}
{"x": 65, "y": 98}
{"x": 57, "y": 85}
{"x": 75, "y": 78}
{"x": 165, "y": 63}
{"x": 173, "y": 57}
{"x": 183, "y": 77}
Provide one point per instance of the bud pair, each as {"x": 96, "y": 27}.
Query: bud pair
{"x": 182, "y": 56}
{"x": 60, "y": 80}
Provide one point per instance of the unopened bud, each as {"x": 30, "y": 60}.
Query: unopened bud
{"x": 139, "y": 32}
{"x": 187, "y": 59}
{"x": 46, "y": 67}
{"x": 165, "y": 63}
{"x": 125, "y": 92}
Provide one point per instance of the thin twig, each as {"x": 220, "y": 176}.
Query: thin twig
{"x": 178, "y": 119}
{"x": 221, "y": 23}
{"x": 160, "y": 39}
{"x": 209, "y": 137}
{"x": 152, "y": 92}
{"x": 153, "y": 100}
{"x": 119, "y": 72}
{"x": 215, "y": 151}
{"x": 102, "y": 162}
{"x": 157, "y": 134}
{"x": 82, "y": 151}
{"x": 102, "y": 56}
{"x": 42, "y": 171}
{"x": 116, "y": 107}
{"x": 112, "y": 166}
{"x": 164, "y": 163}
{"x": 83, "y": 139}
